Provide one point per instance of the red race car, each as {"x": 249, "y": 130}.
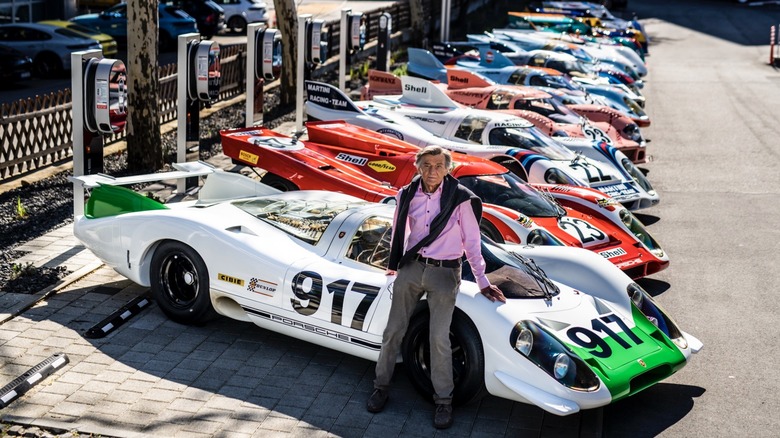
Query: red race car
{"x": 345, "y": 158}
{"x": 594, "y": 122}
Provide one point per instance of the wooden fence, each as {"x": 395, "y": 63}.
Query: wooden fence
{"x": 37, "y": 132}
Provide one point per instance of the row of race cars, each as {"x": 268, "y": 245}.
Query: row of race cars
{"x": 303, "y": 251}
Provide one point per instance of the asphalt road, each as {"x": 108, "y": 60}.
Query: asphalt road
{"x": 715, "y": 108}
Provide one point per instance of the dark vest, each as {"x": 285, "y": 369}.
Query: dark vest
{"x": 453, "y": 194}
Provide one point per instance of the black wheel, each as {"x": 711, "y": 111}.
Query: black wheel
{"x": 278, "y": 182}
{"x": 468, "y": 359}
{"x": 489, "y": 230}
{"x": 237, "y": 24}
{"x": 180, "y": 283}
{"x": 47, "y": 65}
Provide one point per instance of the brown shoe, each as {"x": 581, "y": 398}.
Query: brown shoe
{"x": 377, "y": 400}
{"x": 442, "y": 417}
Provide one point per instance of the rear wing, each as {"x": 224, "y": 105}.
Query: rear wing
{"x": 459, "y": 78}
{"x": 380, "y": 83}
{"x": 492, "y": 58}
{"x": 329, "y": 97}
{"x": 423, "y": 64}
{"x": 183, "y": 170}
{"x": 424, "y": 93}
{"x": 219, "y": 185}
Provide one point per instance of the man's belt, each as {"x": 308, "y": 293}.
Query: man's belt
{"x": 438, "y": 263}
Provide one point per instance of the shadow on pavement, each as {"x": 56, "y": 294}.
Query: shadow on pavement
{"x": 661, "y": 406}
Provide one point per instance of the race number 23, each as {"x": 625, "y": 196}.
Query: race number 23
{"x": 598, "y": 347}
{"x": 339, "y": 289}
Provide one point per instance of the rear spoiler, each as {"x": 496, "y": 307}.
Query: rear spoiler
{"x": 219, "y": 186}
{"x": 183, "y": 170}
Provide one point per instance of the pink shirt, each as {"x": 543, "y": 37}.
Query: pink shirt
{"x": 461, "y": 233}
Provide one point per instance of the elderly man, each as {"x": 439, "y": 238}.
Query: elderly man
{"x": 436, "y": 222}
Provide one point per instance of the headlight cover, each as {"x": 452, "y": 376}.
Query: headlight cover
{"x": 637, "y": 229}
{"x": 552, "y": 356}
{"x": 642, "y": 301}
{"x": 542, "y": 237}
{"x": 556, "y": 176}
{"x": 637, "y": 176}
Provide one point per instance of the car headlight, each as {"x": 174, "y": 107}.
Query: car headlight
{"x": 542, "y": 237}
{"x": 637, "y": 176}
{"x": 632, "y": 131}
{"x": 551, "y": 355}
{"x": 561, "y": 366}
{"x": 524, "y": 342}
{"x": 556, "y": 176}
{"x": 638, "y": 230}
{"x": 656, "y": 315}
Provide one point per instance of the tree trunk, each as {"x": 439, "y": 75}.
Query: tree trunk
{"x": 287, "y": 23}
{"x": 417, "y": 12}
{"x": 144, "y": 143}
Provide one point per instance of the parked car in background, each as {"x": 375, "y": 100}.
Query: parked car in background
{"x": 209, "y": 15}
{"x": 48, "y": 46}
{"x": 14, "y": 65}
{"x": 240, "y": 12}
{"x": 106, "y": 41}
{"x": 113, "y": 21}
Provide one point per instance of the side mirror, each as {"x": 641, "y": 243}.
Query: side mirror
{"x": 203, "y": 71}
{"x": 268, "y": 66}
{"x": 105, "y": 95}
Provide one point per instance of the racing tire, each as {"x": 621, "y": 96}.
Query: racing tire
{"x": 489, "y": 230}
{"x": 468, "y": 358}
{"x": 47, "y": 65}
{"x": 180, "y": 284}
{"x": 237, "y": 24}
{"x": 278, "y": 182}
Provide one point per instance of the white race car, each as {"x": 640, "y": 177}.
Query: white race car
{"x": 575, "y": 332}
{"x": 425, "y": 115}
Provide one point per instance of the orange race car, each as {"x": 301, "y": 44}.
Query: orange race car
{"x": 345, "y": 158}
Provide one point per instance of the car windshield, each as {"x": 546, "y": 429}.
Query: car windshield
{"x": 508, "y": 190}
{"x": 306, "y": 220}
{"x": 515, "y": 275}
{"x": 550, "y": 108}
{"x": 530, "y": 139}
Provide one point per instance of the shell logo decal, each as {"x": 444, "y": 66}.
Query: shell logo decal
{"x": 381, "y": 166}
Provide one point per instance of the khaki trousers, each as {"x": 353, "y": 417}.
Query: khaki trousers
{"x": 441, "y": 284}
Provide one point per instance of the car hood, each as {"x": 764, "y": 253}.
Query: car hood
{"x": 632, "y": 361}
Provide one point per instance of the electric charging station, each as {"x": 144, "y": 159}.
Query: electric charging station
{"x": 352, "y": 38}
{"x": 383, "y": 41}
{"x": 264, "y": 63}
{"x": 312, "y": 51}
{"x": 99, "y": 108}
{"x": 199, "y": 79}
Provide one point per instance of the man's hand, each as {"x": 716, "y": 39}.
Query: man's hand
{"x": 390, "y": 272}
{"x": 493, "y": 293}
